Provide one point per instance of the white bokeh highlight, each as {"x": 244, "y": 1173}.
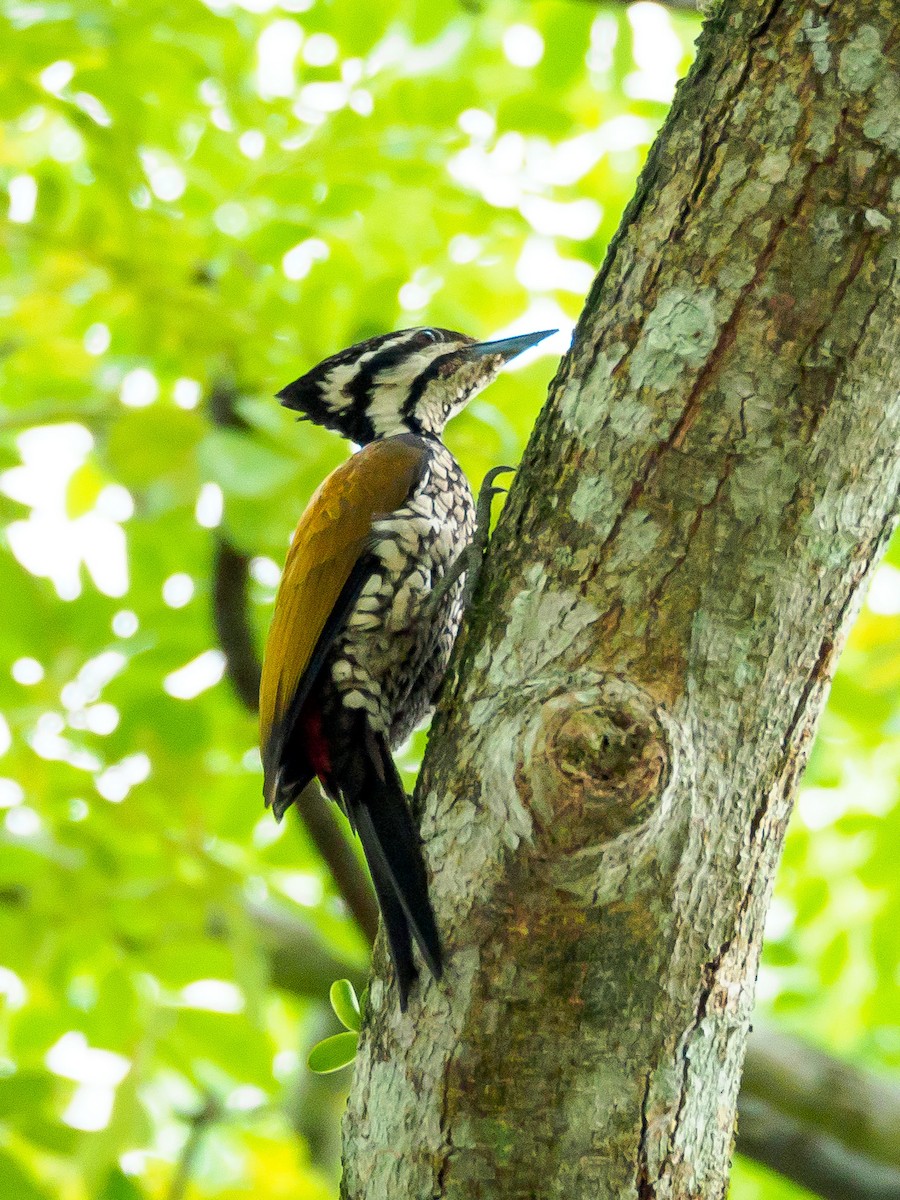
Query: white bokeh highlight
{"x": 49, "y": 543}
{"x": 197, "y": 676}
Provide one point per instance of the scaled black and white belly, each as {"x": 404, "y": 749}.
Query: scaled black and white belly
{"x": 388, "y": 661}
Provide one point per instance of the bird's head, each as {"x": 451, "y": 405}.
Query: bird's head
{"x": 413, "y": 381}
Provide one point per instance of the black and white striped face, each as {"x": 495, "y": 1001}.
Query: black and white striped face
{"x": 413, "y": 381}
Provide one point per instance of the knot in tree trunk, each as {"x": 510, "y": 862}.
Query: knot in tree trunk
{"x": 600, "y": 764}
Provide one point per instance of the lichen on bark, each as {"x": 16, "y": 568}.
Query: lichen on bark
{"x": 611, "y": 772}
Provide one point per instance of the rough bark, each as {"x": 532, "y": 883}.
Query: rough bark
{"x": 820, "y": 1122}
{"x": 609, "y": 781}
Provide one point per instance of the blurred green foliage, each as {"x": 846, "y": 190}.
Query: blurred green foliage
{"x": 216, "y": 196}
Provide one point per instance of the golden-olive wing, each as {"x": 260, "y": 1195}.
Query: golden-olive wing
{"x": 330, "y": 539}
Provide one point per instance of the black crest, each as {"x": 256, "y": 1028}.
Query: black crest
{"x": 338, "y": 392}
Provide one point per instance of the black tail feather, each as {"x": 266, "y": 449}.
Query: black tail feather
{"x": 395, "y": 923}
{"x": 379, "y": 809}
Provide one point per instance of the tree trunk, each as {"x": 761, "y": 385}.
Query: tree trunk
{"x": 609, "y": 781}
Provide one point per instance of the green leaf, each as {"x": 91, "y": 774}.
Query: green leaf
{"x": 26, "y": 1090}
{"x": 333, "y": 1053}
{"x": 834, "y": 958}
{"x": 242, "y": 466}
{"x": 15, "y": 1182}
{"x": 120, "y": 1187}
{"x": 345, "y": 1004}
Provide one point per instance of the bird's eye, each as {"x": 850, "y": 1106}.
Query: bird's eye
{"x": 430, "y": 335}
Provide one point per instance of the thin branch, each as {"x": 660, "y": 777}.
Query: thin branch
{"x": 322, "y": 825}
{"x": 313, "y": 1103}
{"x": 230, "y": 569}
{"x": 199, "y": 1122}
{"x": 230, "y": 573}
{"x": 806, "y": 1155}
{"x": 857, "y": 1108}
{"x": 299, "y": 959}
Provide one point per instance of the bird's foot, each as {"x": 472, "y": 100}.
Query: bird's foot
{"x": 477, "y": 548}
{"x": 469, "y": 561}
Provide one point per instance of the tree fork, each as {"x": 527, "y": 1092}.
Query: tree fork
{"x": 609, "y": 780}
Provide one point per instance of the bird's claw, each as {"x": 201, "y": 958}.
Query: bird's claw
{"x": 469, "y": 561}
{"x": 492, "y": 475}
{"x": 486, "y": 494}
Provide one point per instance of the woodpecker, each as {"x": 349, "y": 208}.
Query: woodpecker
{"x": 371, "y": 599}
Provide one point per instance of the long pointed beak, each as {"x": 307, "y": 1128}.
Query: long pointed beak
{"x": 508, "y": 347}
